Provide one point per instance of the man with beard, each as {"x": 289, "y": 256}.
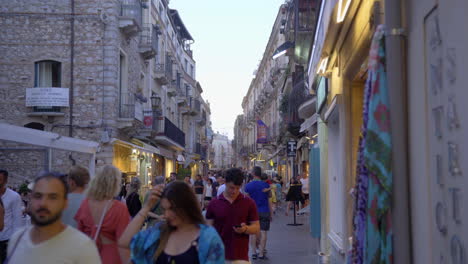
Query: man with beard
{"x": 49, "y": 240}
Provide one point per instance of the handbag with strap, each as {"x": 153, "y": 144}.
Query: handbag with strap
{"x": 104, "y": 212}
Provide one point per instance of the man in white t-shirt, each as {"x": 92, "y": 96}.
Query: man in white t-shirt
{"x": 305, "y": 189}
{"x": 49, "y": 240}
{"x": 13, "y": 215}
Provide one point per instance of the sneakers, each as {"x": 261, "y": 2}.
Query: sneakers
{"x": 262, "y": 257}
{"x": 254, "y": 256}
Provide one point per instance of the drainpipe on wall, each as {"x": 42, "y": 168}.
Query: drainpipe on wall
{"x": 72, "y": 64}
{"x": 396, "y": 78}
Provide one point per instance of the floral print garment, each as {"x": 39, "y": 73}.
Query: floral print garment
{"x": 210, "y": 247}
{"x": 372, "y": 242}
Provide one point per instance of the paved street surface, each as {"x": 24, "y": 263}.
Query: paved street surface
{"x": 290, "y": 244}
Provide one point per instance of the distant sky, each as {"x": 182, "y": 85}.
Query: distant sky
{"x": 230, "y": 38}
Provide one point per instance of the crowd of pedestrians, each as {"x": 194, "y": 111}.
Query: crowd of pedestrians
{"x": 220, "y": 217}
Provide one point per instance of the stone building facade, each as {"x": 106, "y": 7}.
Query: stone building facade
{"x": 107, "y": 55}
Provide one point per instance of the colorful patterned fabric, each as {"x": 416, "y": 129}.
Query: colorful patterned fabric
{"x": 362, "y": 182}
{"x": 144, "y": 245}
{"x": 372, "y": 218}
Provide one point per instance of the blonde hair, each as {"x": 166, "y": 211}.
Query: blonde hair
{"x": 106, "y": 184}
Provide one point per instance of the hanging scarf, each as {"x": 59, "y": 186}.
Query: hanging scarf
{"x": 372, "y": 217}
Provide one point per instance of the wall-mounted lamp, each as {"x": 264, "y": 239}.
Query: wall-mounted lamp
{"x": 155, "y": 101}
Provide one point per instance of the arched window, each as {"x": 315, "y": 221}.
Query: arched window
{"x": 47, "y": 73}
{"x": 35, "y": 125}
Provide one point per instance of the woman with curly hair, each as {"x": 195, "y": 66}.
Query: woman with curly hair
{"x": 182, "y": 238}
{"x": 103, "y": 218}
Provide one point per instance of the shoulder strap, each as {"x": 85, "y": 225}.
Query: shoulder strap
{"x": 102, "y": 219}
{"x": 16, "y": 244}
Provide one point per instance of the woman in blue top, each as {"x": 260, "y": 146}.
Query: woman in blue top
{"x": 182, "y": 238}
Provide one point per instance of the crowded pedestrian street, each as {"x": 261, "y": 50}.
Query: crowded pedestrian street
{"x": 233, "y": 132}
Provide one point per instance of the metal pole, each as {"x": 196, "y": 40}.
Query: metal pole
{"x": 49, "y": 159}
{"x": 396, "y": 68}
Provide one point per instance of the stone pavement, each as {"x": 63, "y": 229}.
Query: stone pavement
{"x": 290, "y": 244}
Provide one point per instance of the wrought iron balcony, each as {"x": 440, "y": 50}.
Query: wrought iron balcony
{"x": 190, "y": 108}
{"x": 130, "y": 19}
{"x": 169, "y": 134}
{"x": 172, "y": 89}
{"x": 127, "y": 105}
{"x": 148, "y": 41}
{"x": 163, "y": 72}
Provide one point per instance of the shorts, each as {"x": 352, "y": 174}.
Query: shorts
{"x": 306, "y": 196}
{"x": 264, "y": 221}
{"x": 207, "y": 198}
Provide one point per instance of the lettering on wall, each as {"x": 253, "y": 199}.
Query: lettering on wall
{"x": 445, "y": 151}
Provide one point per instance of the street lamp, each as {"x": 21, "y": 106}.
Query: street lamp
{"x": 155, "y": 101}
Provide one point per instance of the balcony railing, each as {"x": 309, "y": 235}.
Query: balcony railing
{"x": 163, "y": 72}
{"x": 305, "y": 20}
{"x": 197, "y": 105}
{"x": 148, "y": 41}
{"x": 130, "y": 16}
{"x": 172, "y": 89}
{"x": 166, "y": 128}
{"x": 127, "y": 105}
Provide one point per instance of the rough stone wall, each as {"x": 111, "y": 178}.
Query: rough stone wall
{"x": 35, "y": 30}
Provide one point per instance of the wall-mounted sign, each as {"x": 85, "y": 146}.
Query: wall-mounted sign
{"x": 322, "y": 92}
{"x": 148, "y": 119}
{"x": 262, "y": 133}
{"x": 47, "y": 96}
{"x": 291, "y": 148}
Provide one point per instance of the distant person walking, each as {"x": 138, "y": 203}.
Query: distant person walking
{"x": 133, "y": 198}
{"x": 12, "y": 213}
{"x": 305, "y": 189}
{"x": 199, "y": 188}
{"x": 78, "y": 178}
{"x": 49, "y": 240}
{"x": 102, "y": 217}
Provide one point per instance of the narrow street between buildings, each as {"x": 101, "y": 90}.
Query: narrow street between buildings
{"x": 290, "y": 244}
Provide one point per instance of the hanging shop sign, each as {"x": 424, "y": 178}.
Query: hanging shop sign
{"x": 291, "y": 148}
{"x": 148, "y": 119}
{"x": 262, "y": 135}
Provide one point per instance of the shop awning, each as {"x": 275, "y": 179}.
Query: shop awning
{"x": 309, "y": 122}
{"x": 46, "y": 139}
{"x": 283, "y": 48}
{"x": 144, "y": 148}
{"x": 49, "y": 140}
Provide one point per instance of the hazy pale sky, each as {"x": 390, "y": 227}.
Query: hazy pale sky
{"x": 230, "y": 38}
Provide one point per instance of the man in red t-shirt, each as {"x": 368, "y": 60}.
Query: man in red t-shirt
{"x": 235, "y": 217}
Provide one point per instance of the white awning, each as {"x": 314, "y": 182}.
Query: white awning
{"x": 50, "y": 140}
{"x": 309, "y": 122}
{"x": 46, "y": 139}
